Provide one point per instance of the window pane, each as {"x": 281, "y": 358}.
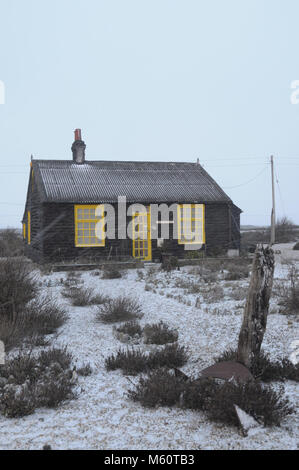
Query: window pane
{"x": 198, "y": 212}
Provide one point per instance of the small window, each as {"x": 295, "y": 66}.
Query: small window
{"x": 191, "y": 224}
{"x": 89, "y": 226}
{"x": 24, "y": 231}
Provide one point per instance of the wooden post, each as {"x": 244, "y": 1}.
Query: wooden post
{"x": 273, "y": 216}
{"x": 257, "y": 306}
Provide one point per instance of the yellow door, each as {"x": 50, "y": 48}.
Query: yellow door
{"x": 142, "y": 244}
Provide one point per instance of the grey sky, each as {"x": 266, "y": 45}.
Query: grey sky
{"x": 153, "y": 80}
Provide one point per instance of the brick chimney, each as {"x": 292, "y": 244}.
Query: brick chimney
{"x": 78, "y": 148}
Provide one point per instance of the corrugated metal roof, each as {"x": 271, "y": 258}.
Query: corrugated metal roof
{"x": 104, "y": 181}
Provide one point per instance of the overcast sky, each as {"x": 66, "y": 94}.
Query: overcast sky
{"x": 162, "y": 80}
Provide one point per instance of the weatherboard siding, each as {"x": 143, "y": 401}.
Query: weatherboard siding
{"x": 56, "y": 223}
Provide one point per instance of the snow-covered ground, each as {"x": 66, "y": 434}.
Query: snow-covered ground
{"x": 102, "y": 417}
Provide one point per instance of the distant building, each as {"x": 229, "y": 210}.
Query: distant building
{"x": 67, "y": 198}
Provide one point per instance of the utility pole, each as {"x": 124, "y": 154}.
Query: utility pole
{"x": 273, "y": 205}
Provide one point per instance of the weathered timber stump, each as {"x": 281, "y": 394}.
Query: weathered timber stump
{"x": 257, "y": 306}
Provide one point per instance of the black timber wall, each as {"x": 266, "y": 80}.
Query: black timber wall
{"x": 58, "y": 234}
{"x": 235, "y": 236}
{"x": 34, "y": 205}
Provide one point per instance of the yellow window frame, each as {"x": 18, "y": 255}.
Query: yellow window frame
{"x": 142, "y": 246}
{"x": 188, "y": 221}
{"x": 29, "y": 227}
{"x": 24, "y": 231}
{"x": 85, "y": 218}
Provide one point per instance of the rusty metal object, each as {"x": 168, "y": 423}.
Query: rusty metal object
{"x": 227, "y": 370}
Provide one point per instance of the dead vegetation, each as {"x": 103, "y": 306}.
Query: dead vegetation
{"x": 11, "y": 243}
{"x": 264, "y": 368}
{"x": 217, "y": 399}
{"x": 135, "y": 361}
{"x": 159, "y": 333}
{"x": 25, "y": 315}
{"x": 83, "y": 296}
{"x": 119, "y": 309}
{"x": 30, "y": 381}
{"x": 111, "y": 272}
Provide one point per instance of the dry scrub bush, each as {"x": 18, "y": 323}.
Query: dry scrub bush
{"x": 83, "y": 296}
{"x": 265, "y": 369}
{"x": 11, "y": 243}
{"x": 28, "y": 382}
{"x": 159, "y": 333}
{"x": 134, "y": 361}
{"x": 118, "y": 310}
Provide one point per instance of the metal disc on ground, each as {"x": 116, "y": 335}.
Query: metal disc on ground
{"x": 227, "y": 370}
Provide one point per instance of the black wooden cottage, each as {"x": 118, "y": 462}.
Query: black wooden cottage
{"x": 66, "y": 198}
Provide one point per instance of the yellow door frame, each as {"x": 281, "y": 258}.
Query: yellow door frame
{"x": 140, "y": 251}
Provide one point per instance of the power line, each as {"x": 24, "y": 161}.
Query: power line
{"x": 280, "y": 194}
{"x": 247, "y": 182}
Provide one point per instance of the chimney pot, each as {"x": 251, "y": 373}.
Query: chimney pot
{"x": 78, "y": 148}
{"x": 78, "y": 134}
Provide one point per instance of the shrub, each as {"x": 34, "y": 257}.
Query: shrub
{"x": 158, "y": 388}
{"x": 111, "y": 272}
{"x": 296, "y": 246}
{"x": 290, "y": 293}
{"x": 194, "y": 254}
{"x": 55, "y": 355}
{"x": 130, "y": 328}
{"x": 38, "y": 318}
{"x": 193, "y": 288}
{"x": 159, "y": 333}
{"x": 262, "y": 403}
{"x": 17, "y": 285}
{"x": 119, "y": 309}
{"x": 169, "y": 263}
{"x": 209, "y": 278}
{"x": 131, "y": 361}
{"x": 43, "y": 317}
{"x": 134, "y": 361}
{"x": 82, "y": 296}
{"x": 18, "y": 401}
{"x": 84, "y": 370}
{"x": 161, "y": 388}
{"x": 216, "y": 251}
{"x": 21, "y": 368}
{"x": 264, "y": 369}
{"x": 284, "y": 230}
{"x": 213, "y": 294}
{"x": 199, "y": 393}
{"x": 28, "y": 382}
{"x": 54, "y": 387}
{"x": 11, "y": 331}
{"x": 171, "y": 356}
{"x": 236, "y": 272}
{"x": 140, "y": 275}
{"x": 11, "y": 243}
